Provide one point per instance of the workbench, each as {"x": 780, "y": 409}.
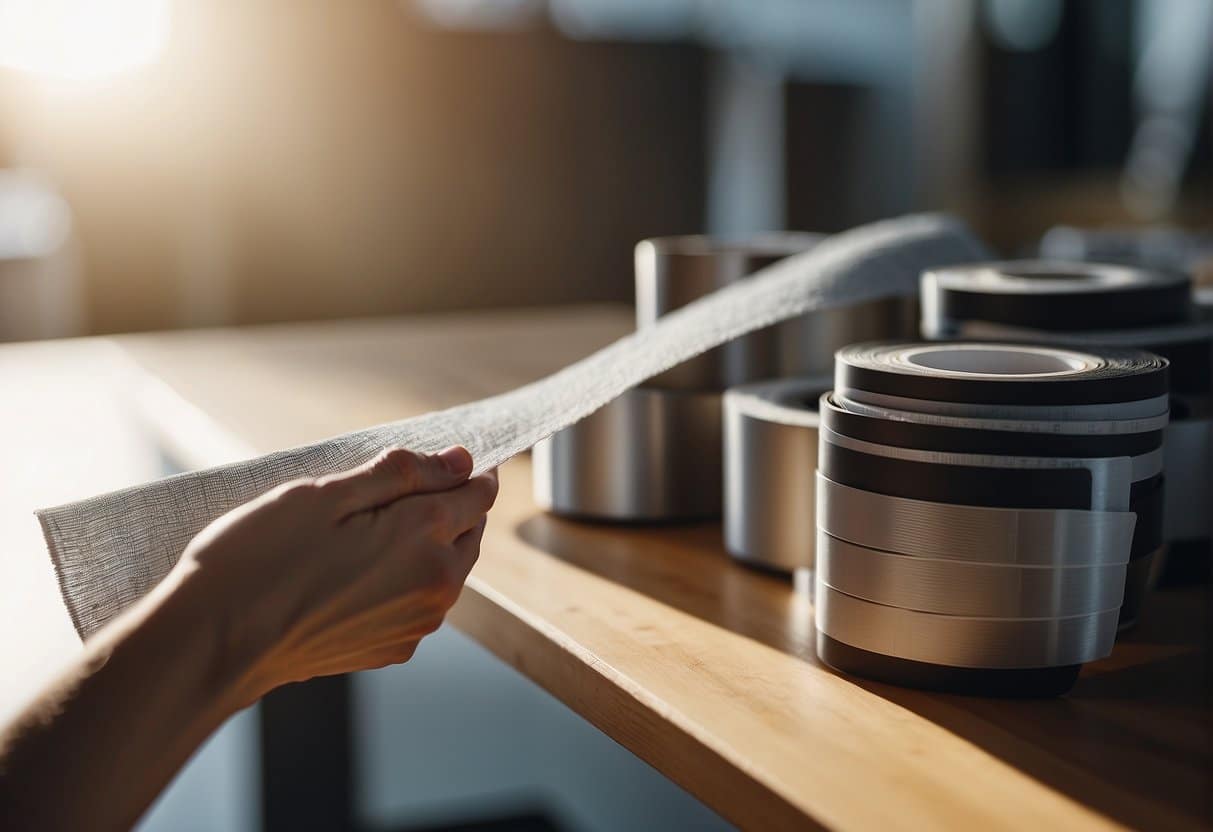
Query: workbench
{"x": 700, "y": 666}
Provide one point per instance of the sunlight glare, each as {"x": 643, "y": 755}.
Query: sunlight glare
{"x": 81, "y": 40}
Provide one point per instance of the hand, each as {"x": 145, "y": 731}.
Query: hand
{"x": 341, "y": 573}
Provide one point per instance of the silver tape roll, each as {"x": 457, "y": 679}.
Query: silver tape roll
{"x": 951, "y": 587}
{"x": 960, "y": 641}
{"x": 656, "y": 454}
{"x": 977, "y": 534}
{"x": 673, "y": 271}
{"x": 649, "y": 455}
{"x": 770, "y": 455}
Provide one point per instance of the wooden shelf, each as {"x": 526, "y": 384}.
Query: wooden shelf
{"x": 702, "y": 667}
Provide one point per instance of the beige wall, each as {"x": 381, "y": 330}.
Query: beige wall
{"x": 288, "y": 160}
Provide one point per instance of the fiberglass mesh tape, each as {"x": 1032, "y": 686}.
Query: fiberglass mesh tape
{"x": 111, "y": 549}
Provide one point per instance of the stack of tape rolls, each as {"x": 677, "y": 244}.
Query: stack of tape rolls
{"x": 979, "y": 506}
{"x": 654, "y": 454}
{"x": 1094, "y": 305}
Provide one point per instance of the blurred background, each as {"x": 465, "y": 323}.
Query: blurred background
{"x": 174, "y": 163}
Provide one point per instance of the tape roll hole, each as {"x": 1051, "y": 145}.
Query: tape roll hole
{"x": 999, "y": 362}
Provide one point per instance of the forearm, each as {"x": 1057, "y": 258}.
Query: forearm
{"x": 313, "y": 578}
{"x": 96, "y": 749}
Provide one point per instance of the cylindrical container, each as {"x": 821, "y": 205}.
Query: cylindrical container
{"x": 980, "y": 507}
{"x": 649, "y": 455}
{"x": 770, "y": 455}
{"x": 674, "y": 271}
{"x": 1101, "y": 305}
{"x": 655, "y": 453}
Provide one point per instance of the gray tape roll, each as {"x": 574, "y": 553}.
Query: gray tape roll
{"x": 952, "y": 587}
{"x": 648, "y": 455}
{"x": 962, "y": 641}
{"x": 977, "y": 534}
{"x": 673, "y": 271}
{"x": 770, "y": 455}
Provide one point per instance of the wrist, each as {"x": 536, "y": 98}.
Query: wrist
{"x": 227, "y": 656}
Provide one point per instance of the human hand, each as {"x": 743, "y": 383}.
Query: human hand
{"x": 342, "y": 573}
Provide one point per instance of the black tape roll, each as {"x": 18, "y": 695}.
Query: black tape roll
{"x": 1057, "y": 295}
{"x": 1016, "y": 375}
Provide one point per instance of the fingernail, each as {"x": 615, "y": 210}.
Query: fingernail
{"x": 456, "y": 460}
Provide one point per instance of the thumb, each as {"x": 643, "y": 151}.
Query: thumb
{"x": 396, "y": 473}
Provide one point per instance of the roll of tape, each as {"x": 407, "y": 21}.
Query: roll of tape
{"x": 1141, "y": 308}
{"x": 673, "y": 271}
{"x": 964, "y": 641}
{"x": 656, "y": 454}
{"x": 1052, "y": 295}
{"x": 981, "y": 506}
{"x": 1014, "y": 380}
{"x": 770, "y": 455}
{"x": 952, "y": 587}
{"x": 651, "y": 454}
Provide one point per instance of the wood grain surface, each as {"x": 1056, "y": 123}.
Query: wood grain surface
{"x": 702, "y": 667}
